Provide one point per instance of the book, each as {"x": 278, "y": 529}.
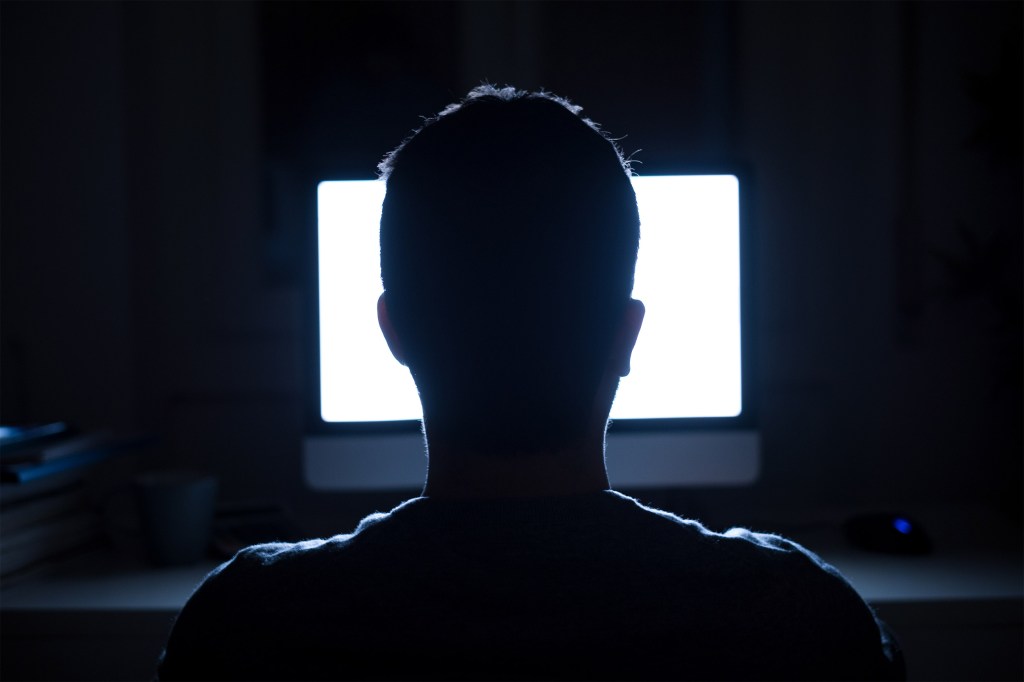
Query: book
{"x": 14, "y": 437}
{"x": 51, "y": 448}
{"x": 26, "y": 512}
{"x": 15, "y": 491}
{"x": 76, "y": 454}
{"x": 21, "y": 472}
{"x": 23, "y": 548}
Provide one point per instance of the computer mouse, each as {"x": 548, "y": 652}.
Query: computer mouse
{"x": 887, "y": 532}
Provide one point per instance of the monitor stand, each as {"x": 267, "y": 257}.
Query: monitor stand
{"x": 363, "y": 462}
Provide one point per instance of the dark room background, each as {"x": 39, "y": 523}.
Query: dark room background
{"x": 155, "y": 158}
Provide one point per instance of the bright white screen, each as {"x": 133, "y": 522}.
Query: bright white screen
{"x": 687, "y": 358}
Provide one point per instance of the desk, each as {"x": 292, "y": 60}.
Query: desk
{"x": 102, "y": 616}
{"x": 106, "y": 616}
{"x": 957, "y": 615}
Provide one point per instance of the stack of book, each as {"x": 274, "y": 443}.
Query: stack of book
{"x": 45, "y": 511}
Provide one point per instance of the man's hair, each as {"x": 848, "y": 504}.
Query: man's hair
{"x": 509, "y": 235}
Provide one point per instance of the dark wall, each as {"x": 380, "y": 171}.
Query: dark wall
{"x": 152, "y": 259}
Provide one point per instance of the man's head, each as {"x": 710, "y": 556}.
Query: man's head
{"x": 509, "y": 235}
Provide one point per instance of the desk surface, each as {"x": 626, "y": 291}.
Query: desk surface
{"x": 108, "y": 581}
{"x": 105, "y": 580}
{"x": 106, "y": 615}
{"x": 977, "y": 557}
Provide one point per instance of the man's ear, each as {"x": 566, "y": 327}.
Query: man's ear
{"x": 625, "y": 339}
{"x": 384, "y": 320}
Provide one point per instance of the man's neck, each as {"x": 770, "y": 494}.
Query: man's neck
{"x": 570, "y": 471}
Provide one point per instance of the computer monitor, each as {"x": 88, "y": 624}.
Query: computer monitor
{"x": 682, "y": 417}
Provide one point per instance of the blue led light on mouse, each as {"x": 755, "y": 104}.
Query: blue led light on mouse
{"x": 887, "y": 532}
{"x": 902, "y": 525}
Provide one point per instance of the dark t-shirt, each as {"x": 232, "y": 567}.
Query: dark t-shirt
{"x": 577, "y": 587}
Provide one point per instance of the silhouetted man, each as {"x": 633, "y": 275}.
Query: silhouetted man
{"x": 509, "y": 236}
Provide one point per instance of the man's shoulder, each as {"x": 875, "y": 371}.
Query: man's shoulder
{"x": 265, "y": 597}
{"x": 625, "y": 532}
{"x": 767, "y": 563}
{"x": 427, "y": 564}
{"x": 737, "y": 548}
{"x": 744, "y": 586}
{"x": 613, "y": 532}
{"x": 274, "y": 560}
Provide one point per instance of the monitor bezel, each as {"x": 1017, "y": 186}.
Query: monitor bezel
{"x": 747, "y": 419}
